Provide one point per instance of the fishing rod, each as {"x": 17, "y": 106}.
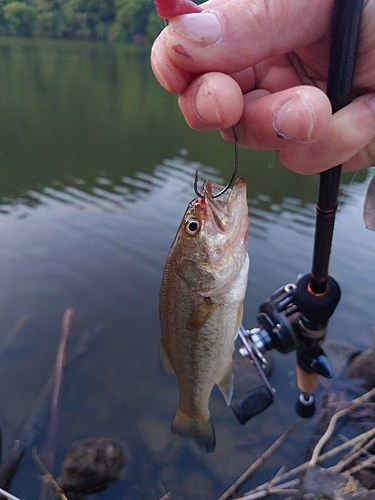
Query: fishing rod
{"x": 296, "y": 316}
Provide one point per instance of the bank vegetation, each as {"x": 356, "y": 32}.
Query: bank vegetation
{"x": 127, "y": 21}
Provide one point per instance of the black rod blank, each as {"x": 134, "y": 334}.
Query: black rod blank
{"x": 345, "y": 28}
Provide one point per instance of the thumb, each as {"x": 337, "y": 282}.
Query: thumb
{"x": 233, "y": 35}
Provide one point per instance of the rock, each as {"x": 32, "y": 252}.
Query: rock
{"x": 366, "y": 478}
{"x": 363, "y": 365}
{"x": 91, "y": 464}
{"x": 318, "y": 483}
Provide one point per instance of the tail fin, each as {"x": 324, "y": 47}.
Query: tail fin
{"x": 202, "y": 431}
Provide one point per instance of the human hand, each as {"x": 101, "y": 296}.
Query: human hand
{"x": 261, "y": 65}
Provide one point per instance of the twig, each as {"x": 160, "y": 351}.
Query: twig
{"x": 280, "y": 490}
{"x": 260, "y": 461}
{"x": 8, "y": 495}
{"x": 300, "y": 468}
{"x": 322, "y": 441}
{"x": 357, "y": 451}
{"x": 49, "y": 476}
{"x": 167, "y": 496}
{"x": 361, "y": 465}
{"x": 274, "y": 480}
{"x": 56, "y": 394}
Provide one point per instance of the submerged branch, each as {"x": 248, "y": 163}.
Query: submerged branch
{"x": 56, "y": 394}
{"x": 10, "y": 465}
{"x": 259, "y": 462}
{"x": 48, "y": 476}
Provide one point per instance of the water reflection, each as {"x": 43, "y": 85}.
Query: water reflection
{"x": 111, "y": 193}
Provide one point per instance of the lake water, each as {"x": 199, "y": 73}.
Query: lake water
{"x": 96, "y": 169}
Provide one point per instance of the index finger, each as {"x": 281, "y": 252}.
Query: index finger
{"x": 233, "y": 35}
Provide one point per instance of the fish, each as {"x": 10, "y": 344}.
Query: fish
{"x": 201, "y": 305}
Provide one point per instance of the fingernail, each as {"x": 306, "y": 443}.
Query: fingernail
{"x": 371, "y": 101}
{"x": 294, "y": 119}
{"x": 203, "y": 28}
{"x": 206, "y": 106}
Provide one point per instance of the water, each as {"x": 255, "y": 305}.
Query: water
{"x": 97, "y": 168}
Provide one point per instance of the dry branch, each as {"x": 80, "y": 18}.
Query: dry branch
{"x": 282, "y": 489}
{"x": 8, "y": 495}
{"x": 356, "y": 452}
{"x": 261, "y": 489}
{"x": 323, "y": 440}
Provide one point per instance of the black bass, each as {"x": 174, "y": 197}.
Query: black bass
{"x": 201, "y": 302}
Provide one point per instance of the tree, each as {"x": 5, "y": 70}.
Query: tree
{"x": 89, "y": 18}
{"x": 129, "y": 21}
{"x": 132, "y": 18}
{"x": 19, "y": 18}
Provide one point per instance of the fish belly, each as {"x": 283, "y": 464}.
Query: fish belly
{"x": 200, "y": 354}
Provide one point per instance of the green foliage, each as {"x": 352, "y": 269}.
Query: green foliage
{"x": 132, "y": 19}
{"x": 129, "y": 21}
{"x": 19, "y": 18}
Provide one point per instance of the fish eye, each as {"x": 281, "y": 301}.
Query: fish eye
{"x": 192, "y": 226}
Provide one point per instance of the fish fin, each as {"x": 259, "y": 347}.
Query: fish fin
{"x": 164, "y": 362}
{"x": 225, "y": 384}
{"x": 200, "y": 314}
{"x": 239, "y": 319}
{"x": 194, "y": 275}
{"x": 202, "y": 431}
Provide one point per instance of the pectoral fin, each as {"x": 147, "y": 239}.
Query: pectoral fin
{"x": 164, "y": 362}
{"x": 200, "y": 314}
{"x": 194, "y": 276}
{"x": 225, "y": 384}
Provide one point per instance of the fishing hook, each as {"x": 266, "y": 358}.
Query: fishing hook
{"x": 235, "y": 142}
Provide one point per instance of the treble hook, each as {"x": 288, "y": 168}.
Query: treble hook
{"x": 235, "y": 168}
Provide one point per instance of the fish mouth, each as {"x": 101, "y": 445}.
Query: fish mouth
{"x": 225, "y": 210}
